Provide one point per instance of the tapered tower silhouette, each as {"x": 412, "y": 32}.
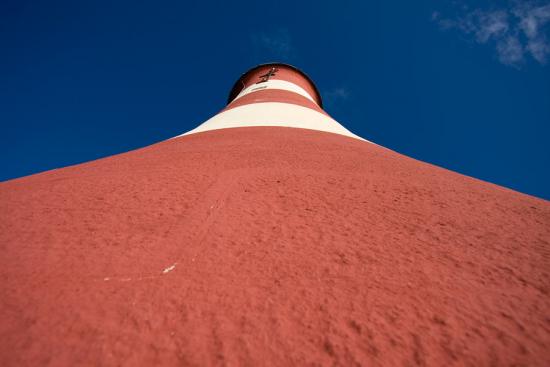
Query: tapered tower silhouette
{"x": 270, "y": 235}
{"x": 274, "y": 95}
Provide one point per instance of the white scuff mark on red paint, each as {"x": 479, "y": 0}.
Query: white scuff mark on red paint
{"x": 169, "y": 269}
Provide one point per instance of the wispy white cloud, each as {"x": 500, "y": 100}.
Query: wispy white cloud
{"x": 510, "y": 50}
{"x": 332, "y": 96}
{"x": 277, "y": 43}
{"x": 534, "y": 22}
{"x": 337, "y": 93}
{"x": 516, "y": 31}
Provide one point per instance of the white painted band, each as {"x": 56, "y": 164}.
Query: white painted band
{"x": 273, "y": 114}
{"x": 275, "y": 84}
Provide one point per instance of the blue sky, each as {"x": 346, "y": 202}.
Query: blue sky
{"x": 461, "y": 84}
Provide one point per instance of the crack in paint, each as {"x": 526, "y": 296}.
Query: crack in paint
{"x": 165, "y": 271}
{"x": 169, "y": 269}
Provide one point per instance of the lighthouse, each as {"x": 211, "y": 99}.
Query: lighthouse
{"x": 274, "y": 94}
{"x": 270, "y": 235}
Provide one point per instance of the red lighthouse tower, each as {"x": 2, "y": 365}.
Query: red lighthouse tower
{"x": 274, "y": 95}
{"x": 270, "y": 235}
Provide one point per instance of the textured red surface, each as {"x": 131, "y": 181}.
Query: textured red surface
{"x": 270, "y": 246}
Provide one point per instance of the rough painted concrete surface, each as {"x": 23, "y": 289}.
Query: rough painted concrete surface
{"x": 270, "y": 246}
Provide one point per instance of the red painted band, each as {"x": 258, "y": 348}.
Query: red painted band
{"x": 274, "y": 95}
